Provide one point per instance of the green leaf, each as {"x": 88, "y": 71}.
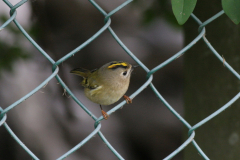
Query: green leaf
{"x": 182, "y": 9}
{"x": 232, "y": 9}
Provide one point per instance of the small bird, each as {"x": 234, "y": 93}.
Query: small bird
{"x": 107, "y": 84}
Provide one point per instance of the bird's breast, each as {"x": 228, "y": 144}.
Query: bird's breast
{"x": 106, "y": 94}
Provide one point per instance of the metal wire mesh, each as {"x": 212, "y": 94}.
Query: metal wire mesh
{"x": 97, "y": 124}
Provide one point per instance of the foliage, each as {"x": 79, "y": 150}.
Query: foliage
{"x": 232, "y": 9}
{"x": 182, "y": 9}
{"x": 11, "y": 51}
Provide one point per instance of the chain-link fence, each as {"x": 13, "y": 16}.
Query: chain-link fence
{"x": 97, "y": 130}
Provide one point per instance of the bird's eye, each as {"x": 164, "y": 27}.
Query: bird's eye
{"x": 125, "y": 73}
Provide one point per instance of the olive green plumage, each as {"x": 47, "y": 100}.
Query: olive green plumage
{"x": 107, "y": 84}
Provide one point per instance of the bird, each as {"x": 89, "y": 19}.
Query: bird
{"x": 107, "y": 84}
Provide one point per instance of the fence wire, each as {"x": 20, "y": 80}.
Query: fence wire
{"x": 97, "y": 124}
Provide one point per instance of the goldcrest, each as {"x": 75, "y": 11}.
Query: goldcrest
{"x": 107, "y": 84}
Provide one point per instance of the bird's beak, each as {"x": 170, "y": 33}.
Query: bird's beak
{"x": 134, "y": 66}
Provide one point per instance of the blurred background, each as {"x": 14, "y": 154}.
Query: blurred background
{"x": 49, "y": 122}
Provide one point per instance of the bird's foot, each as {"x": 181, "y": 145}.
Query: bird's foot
{"x": 128, "y": 100}
{"x": 105, "y": 115}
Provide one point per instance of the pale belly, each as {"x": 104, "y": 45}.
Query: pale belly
{"x": 105, "y": 98}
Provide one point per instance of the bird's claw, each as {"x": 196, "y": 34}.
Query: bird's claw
{"x": 128, "y": 100}
{"x": 105, "y": 115}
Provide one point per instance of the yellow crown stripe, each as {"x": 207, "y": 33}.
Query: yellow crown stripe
{"x": 118, "y": 64}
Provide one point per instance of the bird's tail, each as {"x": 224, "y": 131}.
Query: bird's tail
{"x": 81, "y": 72}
